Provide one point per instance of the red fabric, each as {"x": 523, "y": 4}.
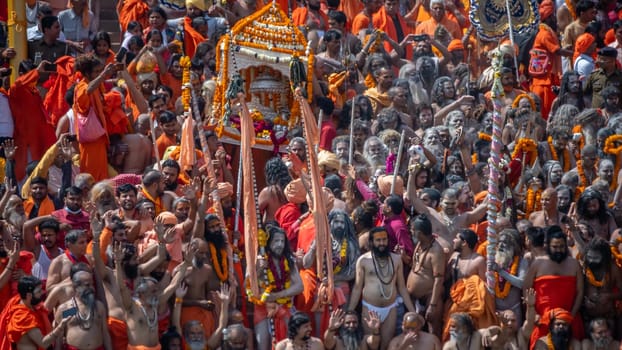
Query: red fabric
{"x": 555, "y": 292}
{"x": 54, "y": 102}
{"x": 17, "y": 319}
{"x": 286, "y": 216}
{"x": 27, "y": 108}
{"x": 299, "y": 17}
{"x": 116, "y": 120}
{"x": 192, "y": 38}
{"x": 280, "y": 319}
{"x": 133, "y": 10}
{"x": 327, "y": 135}
{"x": 79, "y": 221}
{"x": 118, "y": 333}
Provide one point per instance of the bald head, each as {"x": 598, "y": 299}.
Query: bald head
{"x": 412, "y": 322}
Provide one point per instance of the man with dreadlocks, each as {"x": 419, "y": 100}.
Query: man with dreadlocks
{"x": 345, "y": 249}
{"x": 271, "y": 198}
{"x": 570, "y": 92}
{"x": 278, "y": 268}
{"x": 592, "y": 208}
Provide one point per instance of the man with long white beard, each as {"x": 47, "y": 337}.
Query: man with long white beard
{"x": 88, "y": 329}
{"x": 375, "y": 152}
{"x": 560, "y": 334}
{"x": 600, "y": 336}
{"x": 463, "y": 334}
{"x": 350, "y": 334}
{"x": 510, "y": 269}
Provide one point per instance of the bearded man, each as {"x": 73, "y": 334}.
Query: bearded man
{"x": 592, "y": 208}
{"x": 558, "y": 281}
{"x": 220, "y": 253}
{"x": 559, "y": 334}
{"x": 88, "y": 329}
{"x": 299, "y": 334}
{"x": 510, "y": 270}
{"x": 75, "y": 241}
{"x": 350, "y": 333}
{"x": 271, "y": 197}
{"x": 278, "y": 302}
{"x": 603, "y": 282}
{"x": 600, "y": 336}
{"x": 509, "y": 334}
{"x": 375, "y": 152}
{"x": 549, "y": 215}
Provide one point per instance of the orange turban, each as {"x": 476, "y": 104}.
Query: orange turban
{"x": 385, "y": 182}
{"x": 556, "y": 314}
{"x": 610, "y": 37}
{"x": 329, "y": 199}
{"x": 167, "y": 218}
{"x": 328, "y": 159}
{"x": 295, "y": 192}
{"x": 455, "y": 45}
{"x": 546, "y": 9}
{"x": 584, "y": 41}
{"x": 224, "y": 189}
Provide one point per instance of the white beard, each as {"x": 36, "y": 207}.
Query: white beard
{"x": 504, "y": 258}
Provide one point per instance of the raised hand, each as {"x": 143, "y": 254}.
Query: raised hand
{"x": 9, "y": 149}
{"x": 373, "y": 320}
{"x": 190, "y": 253}
{"x": 97, "y": 226}
{"x": 159, "y": 228}
{"x": 337, "y": 317}
{"x": 118, "y": 252}
{"x": 224, "y": 294}
{"x": 66, "y": 148}
{"x": 181, "y": 291}
{"x": 14, "y": 254}
{"x": 10, "y": 187}
{"x": 530, "y": 296}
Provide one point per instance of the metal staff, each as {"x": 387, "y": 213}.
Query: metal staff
{"x": 351, "y": 149}
{"x": 238, "y": 202}
{"x": 397, "y": 162}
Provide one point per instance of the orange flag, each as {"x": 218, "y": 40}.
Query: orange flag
{"x": 247, "y": 141}
{"x": 187, "y": 156}
{"x": 54, "y": 101}
{"x": 320, "y": 216}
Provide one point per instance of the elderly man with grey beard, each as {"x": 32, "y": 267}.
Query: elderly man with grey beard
{"x": 350, "y": 335}
{"x": 87, "y": 330}
{"x": 600, "y": 336}
{"x": 511, "y": 269}
{"x": 375, "y": 152}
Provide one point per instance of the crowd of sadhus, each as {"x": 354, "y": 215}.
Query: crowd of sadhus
{"x": 121, "y": 228}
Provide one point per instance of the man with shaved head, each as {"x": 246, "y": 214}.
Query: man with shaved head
{"x": 412, "y": 336}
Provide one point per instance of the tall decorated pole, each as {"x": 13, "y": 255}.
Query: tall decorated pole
{"x": 494, "y": 22}
{"x": 17, "y": 33}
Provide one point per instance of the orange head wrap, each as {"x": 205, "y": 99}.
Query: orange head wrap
{"x": 295, "y": 192}
{"x": 167, "y": 218}
{"x": 385, "y": 182}
{"x": 329, "y": 199}
{"x": 224, "y": 189}
{"x": 556, "y": 314}
{"x": 584, "y": 41}
{"x": 546, "y": 9}
{"x": 455, "y": 45}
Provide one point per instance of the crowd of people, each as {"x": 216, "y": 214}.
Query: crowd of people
{"x": 111, "y": 239}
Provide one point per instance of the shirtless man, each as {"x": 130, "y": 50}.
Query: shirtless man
{"x": 48, "y": 228}
{"x": 557, "y": 276}
{"x": 549, "y": 215}
{"x": 243, "y": 8}
{"x": 75, "y": 241}
{"x": 413, "y": 337}
{"x": 465, "y": 262}
{"x": 508, "y": 336}
{"x": 346, "y": 325}
{"x": 141, "y": 314}
{"x": 599, "y": 337}
{"x": 380, "y": 281}
{"x": 153, "y": 189}
{"x": 299, "y": 335}
{"x": 510, "y": 269}
{"x": 447, "y": 222}
{"x": 88, "y": 330}
{"x": 271, "y": 198}
{"x": 602, "y": 278}
{"x": 425, "y": 280}
{"x": 592, "y": 208}
{"x": 64, "y": 290}
{"x": 557, "y": 321}
{"x": 201, "y": 281}
{"x": 463, "y": 334}
{"x": 534, "y": 244}
{"x": 139, "y": 153}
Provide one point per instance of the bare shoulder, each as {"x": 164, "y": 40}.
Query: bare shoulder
{"x": 282, "y": 345}
{"x": 364, "y": 258}
{"x": 316, "y": 344}
{"x": 450, "y": 345}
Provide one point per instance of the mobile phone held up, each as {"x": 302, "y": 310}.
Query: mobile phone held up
{"x": 70, "y": 312}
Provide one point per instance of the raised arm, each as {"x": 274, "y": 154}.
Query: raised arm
{"x": 530, "y": 314}
{"x": 179, "y": 277}
{"x": 476, "y": 214}
{"x": 334, "y": 323}
{"x": 5, "y": 276}
{"x": 126, "y": 297}
{"x": 223, "y": 296}
{"x": 28, "y": 232}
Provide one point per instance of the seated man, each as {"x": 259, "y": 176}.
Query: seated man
{"x": 558, "y": 321}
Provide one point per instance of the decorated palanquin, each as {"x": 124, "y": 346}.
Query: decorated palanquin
{"x": 270, "y": 55}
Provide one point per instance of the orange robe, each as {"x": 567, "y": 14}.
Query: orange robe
{"x": 280, "y": 318}
{"x": 163, "y": 142}
{"x": 299, "y": 17}
{"x": 93, "y": 155}
{"x": 54, "y": 101}
{"x": 360, "y": 22}
{"x": 197, "y": 313}
{"x": 133, "y": 10}
{"x": 429, "y": 27}
{"x": 118, "y": 333}
{"x": 27, "y": 108}
{"x": 45, "y": 208}
{"x": 384, "y": 22}
{"x": 192, "y": 38}
{"x": 553, "y": 292}
{"x": 304, "y": 302}
{"x": 546, "y": 40}
{"x": 470, "y": 295}
{"x": 17, "y": 319}
{"x": 351, "y": 8}
{"x": 172, "y": 82}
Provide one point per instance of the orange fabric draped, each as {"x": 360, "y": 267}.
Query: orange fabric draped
{"x": 17, "y": 319}
{"x": 192, "y": 38}
{"x": 118, "y": 333}
{"x": 196, "y": 313}
{"x": 54, "y": 102}
{"x": 163, "y": 142}
{"x": 187, "y": 156}
{"x": 584, "y": 41}
{"x": 350, "y": 8}
{"x": 360, "y": 22}
{"x": 116, "y": 120}
{"x": 384, "y": 22}
{"x": 470, "y": 295}
{"x": 247, "y": 140}
{"x": 280, "y": 318}
{"x": 27, "y": 108}
{"x": 546, "y": 40}
{"x": 320, "y": 214}
{"x": 93, "y": 155}
{"x": 133, "y": 10}
{"x": 46, "y": 207}
{"x": 556, "y": 292}
{"x": 299, "y": 17}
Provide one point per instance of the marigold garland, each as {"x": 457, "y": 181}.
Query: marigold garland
{"x": 532, "y": 202}
{"x": 342, "y": 256}
{"x": 554, "y": 155}
{"x": 484, "y": 136}
{"x": 220, "y": 267}
{"x": 549, "y": 342}
{"x": 578, "y": 129}
{"x": 528, "y": 147}
{"x": 571, "y": 9}
{"x": 474, "y": 158}
{"x": 615, "y": 251}
{"x": 272, "y": 284}
{"x": 592, "y": 280}
{"x": 610, "y": 147}
{"x": 184, "y": 62}
{"x": 583, "y": 183}
{"x": 502, "y": 294}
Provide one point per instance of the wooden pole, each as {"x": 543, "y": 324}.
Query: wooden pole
{"x": 396, "y": 170}
{"x": 17, "y": 33}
